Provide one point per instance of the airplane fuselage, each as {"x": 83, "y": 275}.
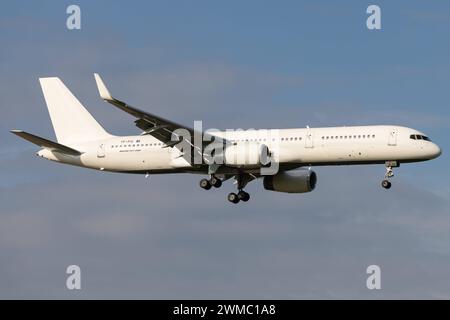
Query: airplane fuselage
{"x": 296, "y": 147}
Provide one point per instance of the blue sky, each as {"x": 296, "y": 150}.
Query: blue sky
{"x": 232, "y": 64}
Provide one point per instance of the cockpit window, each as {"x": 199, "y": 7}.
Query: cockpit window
{"x": 419, "y": 137}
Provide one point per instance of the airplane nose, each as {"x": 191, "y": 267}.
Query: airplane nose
{"x": 435, "y": 151}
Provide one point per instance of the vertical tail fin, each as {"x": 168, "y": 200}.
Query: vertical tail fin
{"x": 71, "y": 121}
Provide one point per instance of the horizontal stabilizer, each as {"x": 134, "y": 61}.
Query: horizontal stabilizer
{"x": 47, "y": 144}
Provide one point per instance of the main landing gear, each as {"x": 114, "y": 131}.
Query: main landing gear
{"x": 389, "y": 173}
{"x": 213, "y": 182}
{"x": 241, "y": 195}
{"x": 241, "y": 180}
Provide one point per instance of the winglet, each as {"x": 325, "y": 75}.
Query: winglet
{"x": 104, "y": 93}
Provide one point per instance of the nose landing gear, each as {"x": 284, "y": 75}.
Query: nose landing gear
{"x": 389, "y": 173}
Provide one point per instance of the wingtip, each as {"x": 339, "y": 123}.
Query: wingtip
{"x": 103, "y": 91}
{"x": 15, "y": 131}
{"x": 46, "y": 79}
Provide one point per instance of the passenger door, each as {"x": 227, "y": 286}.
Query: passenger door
{"x": 392, "y": 140}
{"x": 309, "y": 139}
{"x": 101, "y": 150}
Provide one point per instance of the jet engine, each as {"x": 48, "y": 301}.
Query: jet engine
{"x": 298, "y": 181}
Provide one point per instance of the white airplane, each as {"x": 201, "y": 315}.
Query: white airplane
{"x": 161, "y": 149}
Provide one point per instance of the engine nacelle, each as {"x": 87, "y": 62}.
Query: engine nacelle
{"x": 247, "y": 154}
{"x": 299, "y": 181}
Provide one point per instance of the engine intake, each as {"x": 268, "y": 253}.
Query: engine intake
{"x": 299, "y": 181}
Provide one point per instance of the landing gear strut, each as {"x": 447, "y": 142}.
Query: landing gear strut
{"x": 389, "y": 173}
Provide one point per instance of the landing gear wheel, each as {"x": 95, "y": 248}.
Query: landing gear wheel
{"x": 215, "y": 182}
{"x": 244, "y": 196}
{"x": 205, "y": 184}
{"x": 233, "y": 197}
{"x": 386, "y": 184}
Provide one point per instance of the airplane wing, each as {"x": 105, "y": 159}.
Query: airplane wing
{"x": 162, "y": 129}
{"x": 47, "y": 144}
